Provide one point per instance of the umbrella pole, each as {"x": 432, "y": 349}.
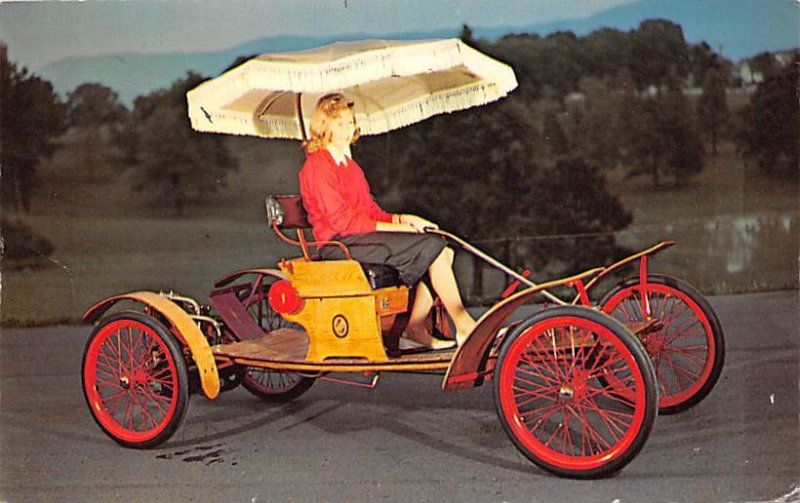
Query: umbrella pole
{"x": 299, "y": 108}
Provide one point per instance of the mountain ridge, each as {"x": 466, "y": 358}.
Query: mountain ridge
{"x": 741, "y": 32}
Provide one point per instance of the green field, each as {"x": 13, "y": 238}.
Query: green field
{"x": 737, "y": 231}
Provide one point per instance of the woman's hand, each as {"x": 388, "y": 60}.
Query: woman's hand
{"x": 395, "y": 227}
{"x": 417, "y": 222}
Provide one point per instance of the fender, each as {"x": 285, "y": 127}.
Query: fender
{"x": 231, "y": 277}
{"x": 468, "y": 366}
{"x": 627, "y": 260}
{"x": 181, "y": 322}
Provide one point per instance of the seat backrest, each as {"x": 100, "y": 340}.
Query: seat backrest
{"x": 287, "y": 212}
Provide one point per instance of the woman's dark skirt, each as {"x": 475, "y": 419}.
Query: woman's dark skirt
{"x": 411, "y": 254}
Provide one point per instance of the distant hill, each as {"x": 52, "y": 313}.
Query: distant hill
{"x": 132, "y": 75}
{"x": 739, "y": 28}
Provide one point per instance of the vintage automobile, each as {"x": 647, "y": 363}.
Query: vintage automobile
{"x": 577, "y": 385}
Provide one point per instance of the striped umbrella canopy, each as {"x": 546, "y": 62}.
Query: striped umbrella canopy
{"x": 394, "y": 83}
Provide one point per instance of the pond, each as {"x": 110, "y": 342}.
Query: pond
{"x": 720, "y": 255}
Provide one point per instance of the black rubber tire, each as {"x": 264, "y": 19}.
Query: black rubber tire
{"x": 667, "y": 404}
{"x": 275, "y": 386}
{"x": 642, "y": 409}
{"x": 272, "y": 385}
{"x": 150, "y": 369}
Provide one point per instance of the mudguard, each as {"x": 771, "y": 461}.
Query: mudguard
{"x": 182, "y": 323}
{"x": 469, "y": 365}
{"x": 231, "y": 277}
{"x": 643, "y": 255}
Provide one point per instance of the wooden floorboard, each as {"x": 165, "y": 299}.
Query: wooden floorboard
{"x": 289, "y": 345}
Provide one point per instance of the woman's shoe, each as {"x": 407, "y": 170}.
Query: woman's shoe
{"x": 407, "y": 344}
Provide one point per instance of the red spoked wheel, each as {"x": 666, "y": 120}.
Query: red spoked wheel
{"x": 135, "y": 380}
{"x": 553, "y": 402}
{"x": 688, "y": 349}
{"x": 272, "y": 385}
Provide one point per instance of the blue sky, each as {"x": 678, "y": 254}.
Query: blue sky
{"x": 39, "y": 33}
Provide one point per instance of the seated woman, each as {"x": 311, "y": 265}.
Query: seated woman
{"x": 340, "y": 207}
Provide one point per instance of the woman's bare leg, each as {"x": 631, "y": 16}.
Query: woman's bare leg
{"x": 444, "y": 282}
{"x": 416, "y": 329}
{"x": 423, "y": 301}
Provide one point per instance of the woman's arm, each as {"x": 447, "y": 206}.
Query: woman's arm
{"x": 396, "y": 225}
{"x": 417, "y": 222}
{"x": 405, "y": 223}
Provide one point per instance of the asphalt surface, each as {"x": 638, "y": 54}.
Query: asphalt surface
{"x": 404, "y": 441}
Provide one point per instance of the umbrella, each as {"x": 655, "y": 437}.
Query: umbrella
{"x": 393, "y": 83}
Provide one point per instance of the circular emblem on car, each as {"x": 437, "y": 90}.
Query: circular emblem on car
{"x": 340, "y": 326}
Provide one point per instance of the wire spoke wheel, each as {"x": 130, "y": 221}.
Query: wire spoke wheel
{"x": 687, "y": 350}
{"x": 135, "y": 380}
{"x": 272, "y": 385}
{"x": 555, "y": 407}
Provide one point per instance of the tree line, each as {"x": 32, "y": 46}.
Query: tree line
{"x": 534, "y": 165}
{"x": 153, "y": 142}
{"x": 611, "y": 99}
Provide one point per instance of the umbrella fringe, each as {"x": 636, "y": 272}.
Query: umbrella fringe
{"x": 359, "y": 68}
{"x": 374, "y": 60}
{"x": 397, "y": 117}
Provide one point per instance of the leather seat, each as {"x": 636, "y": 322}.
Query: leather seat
{"x": 381, "y": 276}
{"x": 287, "y": 212}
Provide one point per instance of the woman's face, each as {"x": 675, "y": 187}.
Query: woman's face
{"x": 343, "y": 128}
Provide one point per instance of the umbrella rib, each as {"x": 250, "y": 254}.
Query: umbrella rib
{"x": 270, "y": 103}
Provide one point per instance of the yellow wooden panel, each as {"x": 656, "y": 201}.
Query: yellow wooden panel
{"x": 326, "y": 278}
{"x": 392, "y": 300}
{"x": 341, "y": 327}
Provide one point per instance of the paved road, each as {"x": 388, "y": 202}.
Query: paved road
{"x": 404, "y": 441}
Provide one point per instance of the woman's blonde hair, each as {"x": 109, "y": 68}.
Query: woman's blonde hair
{"x": 329, "y": 108}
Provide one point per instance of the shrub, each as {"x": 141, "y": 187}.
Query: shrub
{"x": 20, "y": 241}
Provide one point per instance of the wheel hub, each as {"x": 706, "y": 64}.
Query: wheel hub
{"x": 575, "y": 389}
{"x": 654, "y": 344}
{"x": 125, "y": 382}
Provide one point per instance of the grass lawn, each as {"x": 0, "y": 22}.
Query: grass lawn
{"x": 109, "y": 240}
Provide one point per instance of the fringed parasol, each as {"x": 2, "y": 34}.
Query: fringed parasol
{"x": 393, "y": 84}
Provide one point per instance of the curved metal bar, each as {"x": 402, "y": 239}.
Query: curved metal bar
{"x": 233, "y": 276}
{"x": 627, "y": 260}
{"x": 316, "y": 244}
{"x": 494, "y": 262}
{"x": 469, "y": 362}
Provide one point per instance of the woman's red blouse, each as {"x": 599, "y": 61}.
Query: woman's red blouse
{"x": 337, "y": 197}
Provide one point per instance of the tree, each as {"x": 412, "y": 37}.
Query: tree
{"x": 571, "y": 202}
{"x": 31, "y": 116}
{"x": 556, "y": 62}
{"x": 488, "y": 174}
{"x": 467, "y": 36}
{"x": 606, "y": 51}
{"x": 712, "y": 107}
{"x": 92, "y": 109}
{"x": 661, "y": 138}
{"x": 769, "y": 128}
{"x": 167, "y": 157}
{"x": 658, "y": 54}
{"x": 22, "y": 242}
{"x": 765, "y": 64}
{"x": 597, "y": 129}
